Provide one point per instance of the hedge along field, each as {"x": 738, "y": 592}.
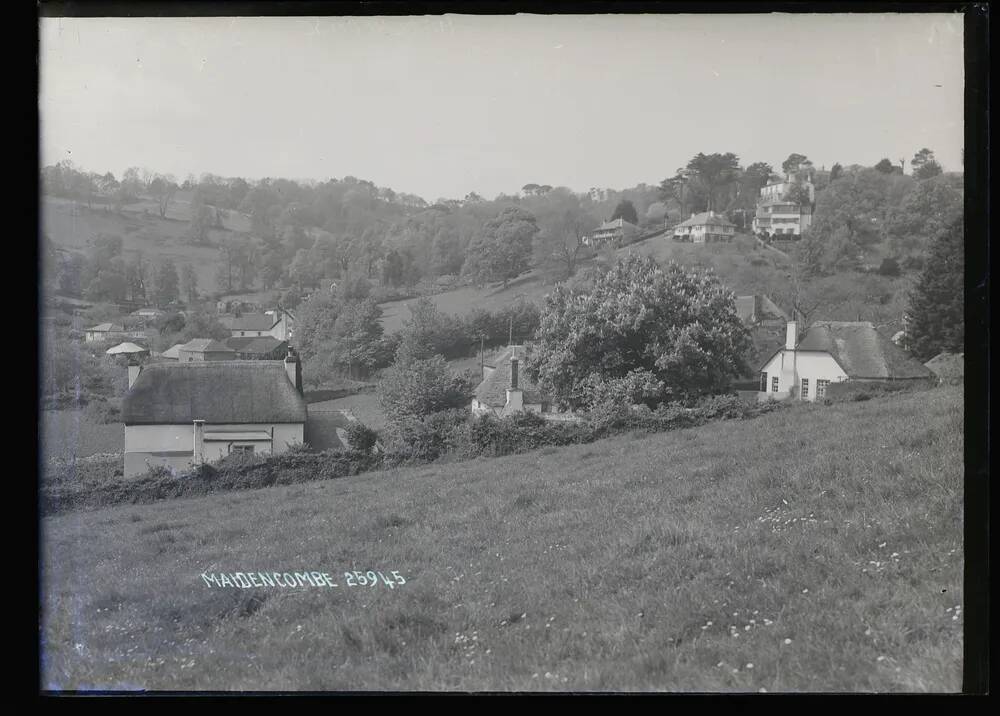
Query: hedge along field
{"x": 735, "y": 556}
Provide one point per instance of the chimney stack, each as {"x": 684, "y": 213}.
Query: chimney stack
{"x": 294, "y": 369}
{"x": 790, "y": 336}
{"x": 199, "y": 442}
{"x": 513, "y": 373}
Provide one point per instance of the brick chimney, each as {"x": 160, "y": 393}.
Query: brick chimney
{"x": 293, "y": 368}
{"x": 515, "y": 396}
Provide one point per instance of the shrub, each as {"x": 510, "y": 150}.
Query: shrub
{"x": 361, "y": 437}
{"x": 424, "y": 438}
{"x": 889, "y": 267}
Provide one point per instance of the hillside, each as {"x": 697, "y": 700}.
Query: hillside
{"x": 739, "y": 556}
{"x": 71, "y": 228}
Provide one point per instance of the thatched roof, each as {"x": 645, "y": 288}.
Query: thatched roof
{"x": 213, "y": 391}
{"x": 493, "y": 390}
{"x": 862, "y": 351}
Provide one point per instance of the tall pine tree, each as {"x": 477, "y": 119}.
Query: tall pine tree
{"x": 937, "y": 307}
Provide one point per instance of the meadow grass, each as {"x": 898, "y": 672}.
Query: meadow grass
{"x": 817, "y": 548}
{"x": 69, "y": 434}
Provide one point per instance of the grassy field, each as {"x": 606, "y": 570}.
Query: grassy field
{"x": 146, "y": 233}
{"x": 65, "y": 434}
{"x": 817, "y": 548}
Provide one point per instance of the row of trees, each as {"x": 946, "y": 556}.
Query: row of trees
{"x": 103, "y": 274}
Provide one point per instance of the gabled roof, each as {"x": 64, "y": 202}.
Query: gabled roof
{"x": 214, "y": 391}
{"x": 861, "y": 351}
{"x": 949, "y": 367}
{"x": 618, "y": 223}
{"x": 126, "y": 348}
{"x": 173, "y": 351}
{"x": 205, "y": 345}
{"x": 255, "y": 344}
{"x": 107, "y": 328}
{"x": 250, "y": 322}
{"x": 706, "y": 219}
{"x": 493, "y": 390}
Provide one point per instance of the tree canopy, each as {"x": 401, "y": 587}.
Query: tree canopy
{"x": 675, "y": 332}
{"x": 937, "y": 305}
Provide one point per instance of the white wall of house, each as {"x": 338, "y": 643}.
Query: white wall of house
{"x": 791, "y": 368}
{"x": 173, "y": 445}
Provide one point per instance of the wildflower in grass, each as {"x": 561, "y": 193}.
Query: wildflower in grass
{"x": 787, "y": 642}
{"x": 749, "y": 666}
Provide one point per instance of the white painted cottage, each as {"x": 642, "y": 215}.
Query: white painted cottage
{"x": 834, "y": 352}
{"x": 179, "y": 414}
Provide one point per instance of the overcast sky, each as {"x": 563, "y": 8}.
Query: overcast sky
{"x": 441, "y": 106}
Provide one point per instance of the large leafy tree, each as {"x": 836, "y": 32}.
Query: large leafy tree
{"x": 925, "y": 165}
{"x": 564, "y": 223}
{"x": 626, "y": 210}
{"x": 926, "y": 212}
{"x": 502, "y": 251}
{"x": 677, "y": 330}
{"x": 937, "y": 309}
{"x": 420, "y": 387}
{"x": 715, "y": 171}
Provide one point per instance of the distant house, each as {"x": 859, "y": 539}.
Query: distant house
{"x": 204, "y": 349}
{"x": 149, "y": 313}
{"x": 705, "y": 227}
{"x": 776, "y": 214}
{"x": 834, "y": 352}
{"x": 105, "y": 332}
{"x": 173, "y": 352}
{"x": 616, "y": 233}
{"x": 278, "y": 323}
{"x": 759, "y": 310}
{"x": 262, "y": 348}
{"x": 948, "y": 367}
{"x": 182, "y": 414}
{"x": 506, "y": 390}
{"x": 130, "y": 350}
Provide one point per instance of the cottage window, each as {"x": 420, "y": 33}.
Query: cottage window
{"x": 774, "y": 384}
{"x": 763, "y": 382}
{"x": 821, "y": 388}
{"x": 805, "y": 388}
{"x": 241, "y": 448}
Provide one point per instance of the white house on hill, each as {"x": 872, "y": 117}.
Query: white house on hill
{"x": 616, "y": 233}
{"x": 181, "y": 414}
{"x": 277, "y": 324}
{"x": 834, "y": 352}
{"x": 704, "y": 227}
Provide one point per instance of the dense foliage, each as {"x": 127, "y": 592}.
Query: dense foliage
{"x": 670, "y": 334}
{"x": 937, "y": 306}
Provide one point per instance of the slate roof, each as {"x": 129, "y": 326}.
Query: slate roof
{"x": 205, "y": 345}
{"x": 862, "y": 351}
{"x": 107, "y": 327}
{"x": 706, "y": 219}
{"x": 260, "y": 345}
{"x": 213, "y": 391}
{"x": 249, "y": 322}
{"x": 126, "y": 348}
{"x": 493, "y": 390}
{"x": 173, "y": 351}
{"x": 618, "y": 223}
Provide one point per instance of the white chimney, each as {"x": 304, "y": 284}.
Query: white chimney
{"x": 199, "y": 442}
{"x": 515, "y": 397}
{"x": 133, "y": 372}
{"x": 790, "y": 336}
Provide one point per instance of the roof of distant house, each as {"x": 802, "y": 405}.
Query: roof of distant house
{"x": 255, "y": 344}
{"x": 861, "y": 351}
{"x": 205, "y": 345}
{"x": 126, "y": 348}
{"x": 173, "y": 351}
{"x": 618, "y": 223}
{"x": 493, "y": 390}
{"x": 107, "y": 328}
{"x": 250, "y": 321}
{"x": 949, "y": 367}
{"x": 213, "y": 391}
{"x": 706, "y": 218}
